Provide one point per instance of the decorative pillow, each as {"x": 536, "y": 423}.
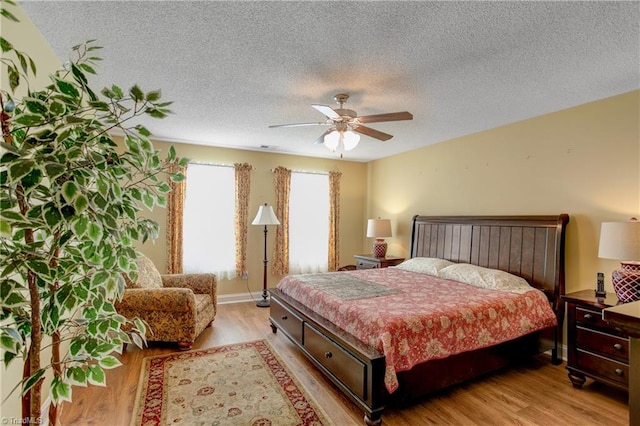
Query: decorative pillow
{"x": 424, "y": 265}
{"x": 148, "y": 275}
{"x": 478, "y": 276}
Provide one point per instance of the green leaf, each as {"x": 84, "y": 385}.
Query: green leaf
{"x": 94, "y": 232}
{"x": 146, "y": 146}
{"x": 109, "y": 362}
{"x": 36, "y": 106}
{"x": 78, "y": 74}
{"x": 163, "y": 187}
{"x": 9, "y": 157}
{"x": 148, "y": 200}
{"x": 10, "y": 339}
{"x": 54, "y": 170}
{"x": 5, "y": 228}
{"x": 20, "y": 168}
{"x": 133, "y": 144}
{"x": 75, "y": 347}
{"x": 51, "y": 216}
{"x": 29, "y": 120}
{"x": 57, "y": 108}
{"x": 31, "y": 381}
{"x": 136, "y": 93}
{"x": 5, "y": 44}
{"x": 60, "y": 391}
{"x": 154, "y": 95}
{"x": 143, "y": 130}
{"x": 99, "y": 278}
{"x": 70, "y": 191}
{"x": 156, "y": 113}
{"x": 66, "y": 88}
{"x": 177, "y": 177}
{"x": 77, "y": 376}
{"x": 80, "y": 226}
{"x": 31, "y": 179}
{"x": 81, "y": 203}
{"x": 96, "y": 375}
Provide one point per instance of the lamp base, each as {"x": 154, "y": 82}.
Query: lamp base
{"x": 264, "y": 303}
{"x": 380, "y": 248}
{"x": 626, "y": 282}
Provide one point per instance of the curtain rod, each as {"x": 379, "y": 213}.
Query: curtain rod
{"x": 307, "y": 172}
{"x": 199, "y": 163}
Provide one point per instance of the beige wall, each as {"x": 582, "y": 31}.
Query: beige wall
{"x": 584, "y": 161}
{"x": 26, "y": 38}
{"x": 352, "y": 205}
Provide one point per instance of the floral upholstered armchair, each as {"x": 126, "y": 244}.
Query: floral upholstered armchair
{"x": 176, "y": 307}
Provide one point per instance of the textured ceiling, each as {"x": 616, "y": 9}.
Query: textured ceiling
{"x": 233, "y": 68}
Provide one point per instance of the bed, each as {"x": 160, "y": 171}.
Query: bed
{"x": 531, "y": 247}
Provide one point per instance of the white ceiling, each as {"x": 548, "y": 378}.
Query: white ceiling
{"x": 233, "y": 68}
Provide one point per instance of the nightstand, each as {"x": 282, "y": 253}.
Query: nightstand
{"x": 369, "y": 261}
{"x": 596, "y": 349}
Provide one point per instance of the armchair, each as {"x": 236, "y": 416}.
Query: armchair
{"x": 176, "y": 307}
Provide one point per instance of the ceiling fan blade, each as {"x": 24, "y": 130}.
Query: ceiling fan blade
{"x": 391, "y": 116}
{"x": 320, "y": 140}
{"x": 372, "y": 132}
{"x": 322, "y": 123}
{"x": 326, "y": 110}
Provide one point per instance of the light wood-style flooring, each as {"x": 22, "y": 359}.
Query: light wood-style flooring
{"x": 537, "y": 393}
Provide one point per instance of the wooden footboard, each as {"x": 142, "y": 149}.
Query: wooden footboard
{"x": 358, "y": 371}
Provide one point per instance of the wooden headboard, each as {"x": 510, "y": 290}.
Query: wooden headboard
{"x": 531, "y": 247}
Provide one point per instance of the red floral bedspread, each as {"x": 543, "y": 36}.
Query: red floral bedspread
{"x": 424, "y": 317}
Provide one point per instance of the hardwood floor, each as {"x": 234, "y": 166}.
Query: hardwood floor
{"x": 537, "y": 393}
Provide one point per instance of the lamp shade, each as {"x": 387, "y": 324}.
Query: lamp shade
{"x": 350, "y": 140}
{"x": 379, "y": 228}
{"x": 332, "y": 140}
{"x": 620, "y": 240}
{"x": 265, "y": 216}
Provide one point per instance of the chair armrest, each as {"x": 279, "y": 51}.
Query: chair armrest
{"x": 198, "y": 283}
{"x": 160, "y": 299}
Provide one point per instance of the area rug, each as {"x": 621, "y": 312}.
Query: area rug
{"x": 240, "y": 384}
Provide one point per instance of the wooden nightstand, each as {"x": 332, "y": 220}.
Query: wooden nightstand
{"x": 369, "y": 261}
{"x": 596, "y": 349}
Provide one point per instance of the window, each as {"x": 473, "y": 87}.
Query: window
{"x": 209, "y": 214}
{"x": 308, "y": 223}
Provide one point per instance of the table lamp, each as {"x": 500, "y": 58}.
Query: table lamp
{"x": 621, "y": 241}
{"x": 379, "y": 229}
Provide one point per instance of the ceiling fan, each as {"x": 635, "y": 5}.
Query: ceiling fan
{"x": 345, "y": 124}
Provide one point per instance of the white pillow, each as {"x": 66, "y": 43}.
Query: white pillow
{"x": 424, "y": 265}
{"x": 478, "y": 276}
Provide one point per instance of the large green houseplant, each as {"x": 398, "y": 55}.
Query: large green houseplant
{"x": 71, "y": 203}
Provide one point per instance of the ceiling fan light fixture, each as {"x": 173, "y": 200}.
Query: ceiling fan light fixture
{"x": 332, "y": 140}
{"x": 350, "y": 140}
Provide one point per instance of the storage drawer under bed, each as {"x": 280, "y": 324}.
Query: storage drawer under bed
{"x": 344, "y": 366}
{"x": 287, "y": 321}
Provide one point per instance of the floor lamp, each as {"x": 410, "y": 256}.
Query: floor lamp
{"x": 265, "y": 217}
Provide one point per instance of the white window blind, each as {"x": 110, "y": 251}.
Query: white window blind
{"x": 209, "y": 212}
{"x": 308, "y": 223}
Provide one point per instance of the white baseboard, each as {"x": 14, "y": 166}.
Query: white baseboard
{"x": 239, "y": 297}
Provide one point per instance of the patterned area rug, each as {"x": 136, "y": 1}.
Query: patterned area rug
{"x": 241, "y": 384}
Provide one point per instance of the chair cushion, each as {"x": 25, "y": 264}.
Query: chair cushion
{"x": 148, "y": 275}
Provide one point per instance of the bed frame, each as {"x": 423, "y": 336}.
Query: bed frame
{"x": 528, "y": 246}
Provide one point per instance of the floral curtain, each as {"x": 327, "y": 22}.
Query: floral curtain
{"x": 175, "y": 210}
{"x": 334, "y": 220}
{"x": 243, "y": 185}
{"x": 280, "y": 264}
